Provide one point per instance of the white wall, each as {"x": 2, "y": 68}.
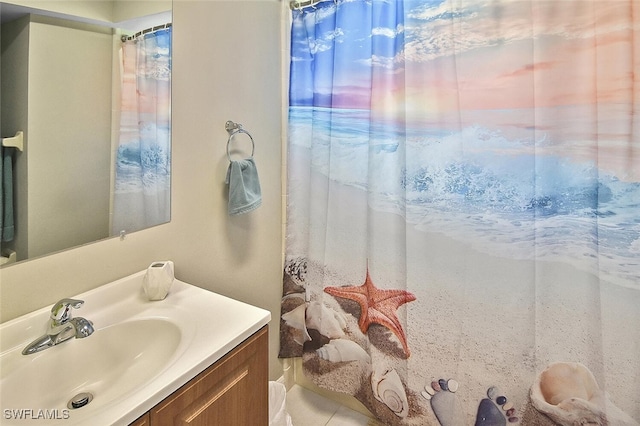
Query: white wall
{"x": 226, "y": 66}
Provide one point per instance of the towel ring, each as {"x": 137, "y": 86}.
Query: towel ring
{"x": 238, "y": 129}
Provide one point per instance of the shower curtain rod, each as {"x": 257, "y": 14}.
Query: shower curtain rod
{"x": 145, "y": 31}
{"x": 300, "y": 4}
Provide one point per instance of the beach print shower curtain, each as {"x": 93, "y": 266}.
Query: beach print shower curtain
{"x": 143, "y": 162}
{"x": 463, "y": 209}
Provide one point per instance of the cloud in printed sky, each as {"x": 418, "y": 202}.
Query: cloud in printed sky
{"x": 388, "y": 32}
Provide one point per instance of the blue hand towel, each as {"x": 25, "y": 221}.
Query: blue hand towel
{"x": 244, "y": 187}
{"x": 6, "y": 194}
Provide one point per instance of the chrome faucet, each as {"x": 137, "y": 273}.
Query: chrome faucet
{"x": 62, "y": 327}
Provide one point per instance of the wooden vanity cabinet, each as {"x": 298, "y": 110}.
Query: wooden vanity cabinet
{"x": 234, "y": 391}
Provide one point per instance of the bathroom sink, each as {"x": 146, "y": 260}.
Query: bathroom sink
{"x": 139, "y": 353}
{"x": 114, "y": 361}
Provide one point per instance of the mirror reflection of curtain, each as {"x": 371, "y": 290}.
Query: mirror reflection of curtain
{"x": 463, "y": 204}
{"x": 143, "y": 163}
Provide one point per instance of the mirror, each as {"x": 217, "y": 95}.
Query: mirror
{"x": 96, "y": 157}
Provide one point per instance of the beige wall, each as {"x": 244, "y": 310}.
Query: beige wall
{"x": 14, "y": 62}
{"x": 96, "y": 10}
{"x": 227, "y": 65}
{"x": 67, "y": 133}
{"x": 68, "y": 142}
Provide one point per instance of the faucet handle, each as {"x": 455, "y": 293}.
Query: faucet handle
{"x": 61, "y": 311}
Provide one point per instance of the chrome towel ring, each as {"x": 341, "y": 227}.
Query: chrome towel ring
{"x": 234, "y": 129}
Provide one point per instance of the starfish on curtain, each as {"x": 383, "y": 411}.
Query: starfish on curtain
{"x": 376, "y": 306}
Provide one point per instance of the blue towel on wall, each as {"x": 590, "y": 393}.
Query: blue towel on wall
{"x": 6, "y": 194}
{"x": 244, "y": 187}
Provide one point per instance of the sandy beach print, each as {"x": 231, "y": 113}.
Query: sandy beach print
{"x": 490, "y": 311}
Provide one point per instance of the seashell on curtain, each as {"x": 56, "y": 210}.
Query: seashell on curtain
{"x": 388, "y": 389}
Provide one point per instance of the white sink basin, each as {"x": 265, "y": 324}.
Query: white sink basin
{"x": 120, "y": 357}
{"x": 140, "y": 353}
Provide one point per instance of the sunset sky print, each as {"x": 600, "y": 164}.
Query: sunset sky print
{"x": 471, "y": 55}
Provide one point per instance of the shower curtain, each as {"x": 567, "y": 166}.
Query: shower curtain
{"x": 143, "y": 163}
{"x": 463, "y": 204}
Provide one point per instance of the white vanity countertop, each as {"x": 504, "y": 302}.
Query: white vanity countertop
{"x": 208, "y": 325}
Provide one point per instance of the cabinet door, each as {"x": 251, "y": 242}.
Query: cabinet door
{"x": 142, "y": 421}
{"x": 232, "y": 392}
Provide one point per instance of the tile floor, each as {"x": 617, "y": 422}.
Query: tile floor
{"x": 307, "y": 408}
